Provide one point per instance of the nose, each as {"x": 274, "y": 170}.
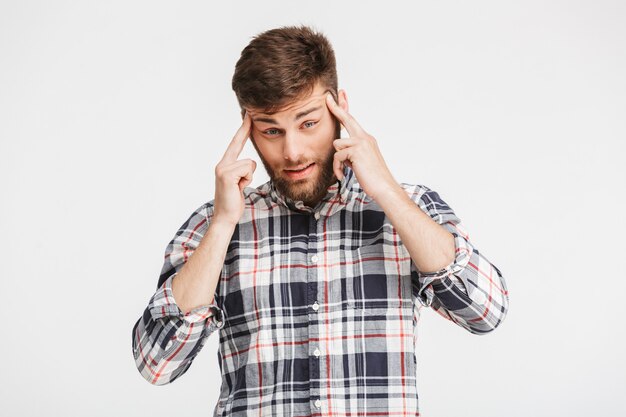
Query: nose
{"x": 292, "y": 147}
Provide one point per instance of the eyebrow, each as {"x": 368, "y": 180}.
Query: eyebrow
{"x": 298, "y": 116}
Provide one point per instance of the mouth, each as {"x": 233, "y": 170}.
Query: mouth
{"x": 300, "y": 172}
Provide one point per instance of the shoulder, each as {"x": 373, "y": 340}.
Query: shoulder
{"x": 197, "y": 221}
{"x": 431, "y": 203}
{"x": 428, "y": 199}
{"x": 416, "y": 191}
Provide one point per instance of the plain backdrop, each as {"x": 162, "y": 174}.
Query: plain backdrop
{"x": 114, "y": 114}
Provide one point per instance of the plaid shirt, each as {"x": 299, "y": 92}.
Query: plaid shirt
{"x": 317, "y": 309}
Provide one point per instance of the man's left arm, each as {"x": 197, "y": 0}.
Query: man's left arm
{"x": 452, "y": 276}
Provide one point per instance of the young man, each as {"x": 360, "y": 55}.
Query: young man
{"x": 315, "y": 279}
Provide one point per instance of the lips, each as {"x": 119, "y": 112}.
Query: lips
{"x": 300, "y": 172}
{"x": 299, "y": 169}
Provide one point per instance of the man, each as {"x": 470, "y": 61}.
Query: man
{"x": 316, "y": 278}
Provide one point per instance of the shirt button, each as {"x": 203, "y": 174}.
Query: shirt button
{"x": 317, "y": 215}
{"x": 316, "y": 353}
{"x": 318, "y": 403}
{"x": 314, "y": 259}
{"x": 315, "y": 306}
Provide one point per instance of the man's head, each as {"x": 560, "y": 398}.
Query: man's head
{"x": 281, "y": 80}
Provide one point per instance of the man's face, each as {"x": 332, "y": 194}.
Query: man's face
{"x": 295, "y": 145}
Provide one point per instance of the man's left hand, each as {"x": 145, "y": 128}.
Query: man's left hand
{"x": 360, "y": 152}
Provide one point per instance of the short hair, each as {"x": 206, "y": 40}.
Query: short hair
{"x": 282, "y": 65}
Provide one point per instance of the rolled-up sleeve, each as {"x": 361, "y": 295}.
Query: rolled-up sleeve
{"x": 165, "y": 341}
{"x": 470, "y": 291}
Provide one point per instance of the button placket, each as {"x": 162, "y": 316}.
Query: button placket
{"x": 313, "y": 296}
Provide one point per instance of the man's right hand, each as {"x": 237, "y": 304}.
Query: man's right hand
{"x": 232, "y": 176}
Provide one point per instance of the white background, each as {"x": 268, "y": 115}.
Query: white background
{"x": 112, "y": 118}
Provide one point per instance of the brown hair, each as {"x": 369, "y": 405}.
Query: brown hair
{"x": 282, "y": 65}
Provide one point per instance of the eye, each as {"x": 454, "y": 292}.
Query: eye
{"x": 271, "y": 132}
{"x": 309, "y": 124}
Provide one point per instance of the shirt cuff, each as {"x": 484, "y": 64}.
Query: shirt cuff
{"x": 463, "y": 251}
{"x": 163, "y": 305}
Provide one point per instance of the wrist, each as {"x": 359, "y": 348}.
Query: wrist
{"x": 222, "y": 225}
{"x": 391, "y": 195}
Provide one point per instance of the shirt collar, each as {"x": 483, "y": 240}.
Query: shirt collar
{"x": 337, "y": 196}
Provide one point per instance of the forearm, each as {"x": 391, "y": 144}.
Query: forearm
{"x": 173, "y": 328}
{"x": 197, "y": 280}
{"x": 430, "y": 245}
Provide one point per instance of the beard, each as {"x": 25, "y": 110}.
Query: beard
{"x": 308, "y": 190}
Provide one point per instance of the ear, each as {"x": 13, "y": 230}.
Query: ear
{"x": 343, "y": 100}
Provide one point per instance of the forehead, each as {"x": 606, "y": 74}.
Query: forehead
{"x": 315, "y": 99}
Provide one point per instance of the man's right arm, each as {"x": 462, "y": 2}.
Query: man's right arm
{"x": 183, "y": 311}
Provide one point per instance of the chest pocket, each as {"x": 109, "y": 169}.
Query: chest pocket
{"x": 377, "y": 283}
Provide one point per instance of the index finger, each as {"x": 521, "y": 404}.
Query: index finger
{"x": 239, "y": 140}
{"x": 346, "y": 119}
